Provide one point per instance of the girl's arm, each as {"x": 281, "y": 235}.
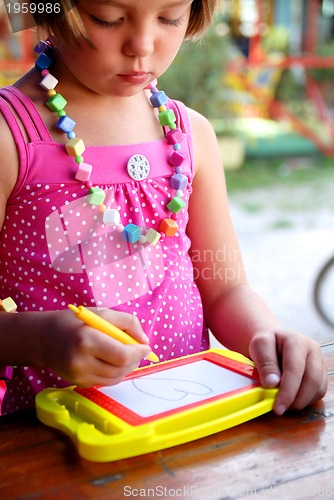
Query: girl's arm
{"x": 235, "y": 314}
{"x": 58, "y": 340}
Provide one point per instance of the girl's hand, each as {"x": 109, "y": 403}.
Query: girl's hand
{"x": 84, "y": 356}
{"x": 294, "y": 362}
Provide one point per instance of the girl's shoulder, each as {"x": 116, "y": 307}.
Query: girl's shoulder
{"x": 203, "y": 137}
{"x": 199, "y": 122}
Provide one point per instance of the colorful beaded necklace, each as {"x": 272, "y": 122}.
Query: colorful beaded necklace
{"x": 138, "y": 166}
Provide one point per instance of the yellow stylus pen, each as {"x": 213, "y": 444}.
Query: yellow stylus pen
{"x": 104, "y": 326}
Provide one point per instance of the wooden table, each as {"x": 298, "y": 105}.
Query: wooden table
{"x": 290, "y": 457}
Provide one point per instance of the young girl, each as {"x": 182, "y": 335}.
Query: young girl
{"x": 113, "y": 197}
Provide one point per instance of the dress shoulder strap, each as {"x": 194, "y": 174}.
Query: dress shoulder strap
{"x": 15, "y": 129}
{"x": 24, "y": 111}
{"x": 182, "y": 121}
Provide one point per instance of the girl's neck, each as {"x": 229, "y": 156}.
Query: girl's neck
{"x": 101, "y": 119}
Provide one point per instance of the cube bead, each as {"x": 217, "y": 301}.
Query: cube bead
{"x": 174, "y": 136}
{"x": 75, "y": 147}
{"x": 8, "y": 305}
{"x": 84, "y": 171}
{"x": 169, "y": 227}
{"x": 97, "y": 196}
{"x": 152, "y": 236}
{"x": 43, "y": 62}
{"x": 158, "y": 99}
{"x": 167, "y": 118}
{"x": 40, "y": 47}
{"x": 49, "y": 82}
{"x": 176, "y": 159}
{"x": 66, "y": 124}
{"x": 176, "y": 204}
{"x": 56, "y": 102}
{"x": 131, "y": 233}
{"x": 178, "y": 181}
{"x": 111, "y": 217}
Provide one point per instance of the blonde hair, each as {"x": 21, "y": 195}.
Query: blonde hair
{"x": 69, "y": 28}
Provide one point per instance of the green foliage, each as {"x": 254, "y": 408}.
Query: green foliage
{"x": 195, "y": 75}
{"x": 270, "y": 173}
{"x": 276, "y": 39}
{"x": 290, "y": 88}
{"x": 324, "y": 74}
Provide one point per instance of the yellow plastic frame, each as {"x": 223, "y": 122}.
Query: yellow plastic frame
{"x": 102, "y": 436}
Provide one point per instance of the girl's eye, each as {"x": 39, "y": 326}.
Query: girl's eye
{"x": 106, "y": 24}
{"x": 171, "y": 22}
{"x": 111, "y": 24}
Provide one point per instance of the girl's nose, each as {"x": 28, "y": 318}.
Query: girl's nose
{"x": 139, "y": 43}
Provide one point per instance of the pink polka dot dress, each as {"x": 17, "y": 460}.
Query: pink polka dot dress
{"x": 55, "y": 249}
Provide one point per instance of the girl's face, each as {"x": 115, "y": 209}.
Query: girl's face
{"x": 134, "y": 42}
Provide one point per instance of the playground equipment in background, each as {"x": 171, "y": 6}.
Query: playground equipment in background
{"x": 16, "y": 52}
{"x": 253, "y": 82}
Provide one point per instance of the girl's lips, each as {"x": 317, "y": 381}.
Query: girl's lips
{"x": 135, "y": 78}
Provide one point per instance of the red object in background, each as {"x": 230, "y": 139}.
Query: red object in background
{"x": 2, "y": 391}
{"x": 308, "y": 59}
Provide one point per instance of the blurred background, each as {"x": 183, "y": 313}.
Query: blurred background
{"x": 263, "y": 75}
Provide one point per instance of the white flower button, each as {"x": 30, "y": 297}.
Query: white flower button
{"x": 138, "y": 167}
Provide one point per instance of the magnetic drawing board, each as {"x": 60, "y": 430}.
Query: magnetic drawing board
{"x": 158, "y": 406}
{"x": 175, "y": 388}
